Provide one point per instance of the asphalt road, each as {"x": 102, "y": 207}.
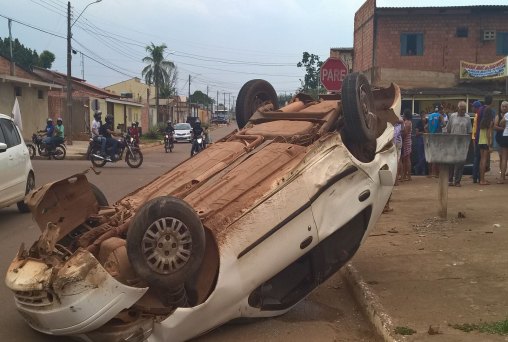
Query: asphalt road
{"x": 329, "y": 312}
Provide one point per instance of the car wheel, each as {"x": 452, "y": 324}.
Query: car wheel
{"x": 99, "y": 195}
{"x": 60, "y": 152}
{"x": 31, "y": 151}
{"x": 251, "y": 97}
{"x": 30, "y": 185}
{"x": 358, "y": 109}
{"x": 134, "y": 159}
{"x": 165, "y": 242}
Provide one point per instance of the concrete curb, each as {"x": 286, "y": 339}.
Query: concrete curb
{"x": 370, "y": 304}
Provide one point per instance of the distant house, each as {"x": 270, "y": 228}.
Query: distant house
{"x": 423, "y": 49}
{"x": 84, "y": 95}
{"x": 32, "y": 93}
{"x": 137, "y": 91}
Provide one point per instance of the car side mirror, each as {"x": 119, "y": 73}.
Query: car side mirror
{"x": 3, "y": 147}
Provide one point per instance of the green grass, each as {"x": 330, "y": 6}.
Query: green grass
{"x": 499, "y": 328}
{"x": 404, "y": 331}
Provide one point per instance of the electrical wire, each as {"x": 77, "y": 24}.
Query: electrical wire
{"x": 33, "y": 27}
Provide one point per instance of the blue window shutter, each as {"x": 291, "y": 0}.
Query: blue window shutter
{"x": 502, "y": 43}
{"x": 403, "y": 44}
{"x": 419, "y": 44}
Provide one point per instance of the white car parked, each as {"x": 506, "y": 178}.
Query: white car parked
{"x": 16, "y": 173}
{"x": 246, "y": 228}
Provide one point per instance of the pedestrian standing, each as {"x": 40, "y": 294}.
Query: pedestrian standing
{"x": 458, "y": 123}
{"x": 485, "y": 141}
{"x": 435, "y": 126}
{"x": 407, "y": 128}
{"x": 397, "y": 139}
{"x": 420, "y": 150}
{"x": 477, "y": 105}
{"x": 501, "y": 128}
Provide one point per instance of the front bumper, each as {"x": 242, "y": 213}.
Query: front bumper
{"x": 79, "y": 297}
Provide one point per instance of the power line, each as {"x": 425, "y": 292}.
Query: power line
{"x": 33, "y": 27}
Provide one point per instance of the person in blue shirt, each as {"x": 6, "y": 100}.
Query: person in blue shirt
{"x": 49, "y": 131}
{"x": 435, "y": 121}
{"x": 435, "y": 125}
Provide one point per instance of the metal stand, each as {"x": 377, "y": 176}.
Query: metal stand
{"x": 443, "y": 190}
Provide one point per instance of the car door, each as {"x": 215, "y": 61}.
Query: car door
{"x": 12, "y": 163}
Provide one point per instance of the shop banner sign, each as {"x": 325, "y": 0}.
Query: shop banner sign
{"x": 484, "y": 71}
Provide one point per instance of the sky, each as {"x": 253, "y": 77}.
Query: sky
{"x": 221, "y": 44}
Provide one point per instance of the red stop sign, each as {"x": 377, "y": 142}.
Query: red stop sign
{"x": 332, "y": 73}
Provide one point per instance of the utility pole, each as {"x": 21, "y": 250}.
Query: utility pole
{"x": 82, "y": 66}
{"x": 207, "y": 105}
{"x": 217, "y": 105}
{"x": 13, "y": 71}
{"x": 69, "y": 72}
{"x": 189, "y": 98}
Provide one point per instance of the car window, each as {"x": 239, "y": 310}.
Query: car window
{"x": 10, "y": 133}
{"x": 2, "y": 136}
{"x": 182, "y": 126}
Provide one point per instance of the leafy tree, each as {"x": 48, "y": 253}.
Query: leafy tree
{"x": 311, "y": 81}
{"x": 158, "y": 71}
{"x": 46, "y": 59}
{"x": 24, "y": 56}
{"x": 201, "y": 98}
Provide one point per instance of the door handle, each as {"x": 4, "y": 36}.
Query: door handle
{"x": 305, "y": 243}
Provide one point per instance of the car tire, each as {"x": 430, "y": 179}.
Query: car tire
{"x": 30, "y": 185}
{"x": 134, "y": 159}
{"x": 165, "y": 242}
{"x": 251, "y": 97}
{"x": 358, "y": 109}
{"x": 99, "y": 195}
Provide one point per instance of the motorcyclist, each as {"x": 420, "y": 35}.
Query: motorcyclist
{"x": 48, "y": 131}
{"x": 107, "y": 131}
{"x": 58, "y": 137}
{"x": 197, "y": 131}
{"x": 169, "y": 130}
{"x": 134, "y": 131}
{"x": 96, "y": 134}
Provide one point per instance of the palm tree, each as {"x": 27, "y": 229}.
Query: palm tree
{"x": 158, "y": 70}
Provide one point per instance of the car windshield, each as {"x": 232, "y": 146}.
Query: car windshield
{"x": 182, "y": 126}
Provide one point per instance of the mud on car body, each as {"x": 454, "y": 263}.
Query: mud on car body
{"x": 246, "y": 228}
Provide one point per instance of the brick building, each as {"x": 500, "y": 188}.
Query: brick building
{"x": 421, "y": 50}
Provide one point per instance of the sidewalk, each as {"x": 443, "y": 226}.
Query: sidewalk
{"x": 416, "y": 271}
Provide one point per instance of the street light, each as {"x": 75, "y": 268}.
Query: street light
{"x": 69, "y": 68}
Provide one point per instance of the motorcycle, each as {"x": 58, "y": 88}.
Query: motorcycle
{"x": 37, "y": 145}
{"x": 169, "y": 142}
{"x": 127, "y": 144}
{"x": 198, "y": 144}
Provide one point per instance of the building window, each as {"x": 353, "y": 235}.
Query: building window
{"x": 502, "y": 43}
{"x": 411, "y": 44}
{"x": 40, "y": 94}
{"x": 462, "y": 32}
{"x": 17, "y": 91}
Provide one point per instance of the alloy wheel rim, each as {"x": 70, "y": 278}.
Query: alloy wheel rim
{"x": 167, "y": 245}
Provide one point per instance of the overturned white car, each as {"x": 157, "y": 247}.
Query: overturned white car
{"x": 246, "y": 228}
